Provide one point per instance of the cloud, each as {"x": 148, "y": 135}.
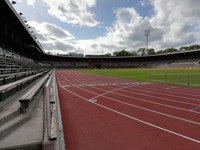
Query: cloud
{"x": 52, "y": 37}
{"x": 126, "y": 32}
{"x": 28, "y": 2}
{"x": 74, "y": 12}
{"x": 179, "y": 21}
{"x": 144, "y": 3}
{"x": 174, "y": 23}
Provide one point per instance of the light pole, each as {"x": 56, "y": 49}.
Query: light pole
{"x": 147, "y": 34}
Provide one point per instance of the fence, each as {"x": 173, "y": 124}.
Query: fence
{"x": 176, "y": 78}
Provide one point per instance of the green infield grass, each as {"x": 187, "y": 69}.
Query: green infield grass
{"x": 180, "y": 76}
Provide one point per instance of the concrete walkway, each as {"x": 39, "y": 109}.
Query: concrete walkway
{"x": 30, "y": 134}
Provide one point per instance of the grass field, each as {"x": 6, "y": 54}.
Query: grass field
{"x": 181, "y": 76}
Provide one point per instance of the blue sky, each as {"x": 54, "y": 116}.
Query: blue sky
{"x": 102, "y": 26}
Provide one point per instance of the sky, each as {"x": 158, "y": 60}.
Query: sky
{"x": 98, "y": 27}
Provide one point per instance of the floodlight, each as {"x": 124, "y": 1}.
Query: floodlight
{"x": 13, "y": 2}
{"x": 147, "y": 33}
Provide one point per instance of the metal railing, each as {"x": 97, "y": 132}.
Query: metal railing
{"x": 176, "y": 78}
{"x": 53, "y": 119}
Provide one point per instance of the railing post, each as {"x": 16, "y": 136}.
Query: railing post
{"x": 188, "y": 80}
{"x": 47, "y": 103}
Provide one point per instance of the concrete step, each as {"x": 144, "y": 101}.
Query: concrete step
{"x": 8, "y": 115}
{"x": 12, "y": 124}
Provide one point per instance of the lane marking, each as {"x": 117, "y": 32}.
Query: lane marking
{"x": 147, "y": 101}
{"x": 113, "y": 91}
{"x": 165, "y": 99}
{"x": 195, "y": 109}
{"x": 158, "y": 93}
{"x": 180, "y": 89}
{"x": 156, "y": 89}
{"x": 93, "y": 100}
{"x": 141, "y": 121}
{"x": 139, "y": 99}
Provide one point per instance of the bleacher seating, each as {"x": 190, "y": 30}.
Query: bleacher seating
{"x": 28, "y": 96}
{"x": 20, "y": 82}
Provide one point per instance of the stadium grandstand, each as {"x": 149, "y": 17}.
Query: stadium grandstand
{"x": 30, "y": 116}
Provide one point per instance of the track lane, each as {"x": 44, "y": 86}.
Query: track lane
{"x": 149, "y": 92}
{"x": 88, "y": 126}
{"x": 182, "y": 113}
{"x": 166, "y": 122}
{"x": 169, "y": 145}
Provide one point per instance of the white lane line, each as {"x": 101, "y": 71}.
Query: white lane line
{"x": 122, "y": 82}
{"x": 113, "y": 91}
{"x": 195, "y": 108}
{"x": 165, "y": 99}
{"x": 171, "y": 93}
{"x": 139, "y": 99}
{"x": 186, "y": 89}
{"x": 173, "y": 107}
{"x": 110, "y": 91}
{"x": 157, "y": 112}
{"x": 93, "y": 100}
{"x": 133, "y": 118}
{"x": 148, "y": 101}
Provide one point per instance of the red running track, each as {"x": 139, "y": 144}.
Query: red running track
{"x": 105, "y": 113}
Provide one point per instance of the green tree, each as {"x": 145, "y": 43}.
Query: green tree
{"x": 160, "y": 52}
{"x": 134, "y": 53}
{"x": 122, "y": 53}
{"x": 150, "y": 51}
{"x": 184, "y": 48}
{"x": 194, "y": 47}
{"x": 141, "y": 51}
{"x": 170, "y": 50}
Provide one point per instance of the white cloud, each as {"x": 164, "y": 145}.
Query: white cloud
{"x": 75, "y": 12}
{"x": 127, "y": 32}
{"x": 28, "y": 2}
{"x": 52, "y": 37}
{"x": 144, "y": 3}
{"x": 174, "y": 23}
{"x": 179, "y": 21}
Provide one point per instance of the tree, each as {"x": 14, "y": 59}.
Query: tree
{"x": 170, "y": 50}
{"x": 191, "y": 47}
{"x": 160, "y": 52}
{"x": 122, "y": 53}
{"x": 142, "y": 51}
{"x": 184, "y": 48}
{"x": 150, "y": 51}
{"x": 134, "y": 53}
{"x": 194, "y": 47}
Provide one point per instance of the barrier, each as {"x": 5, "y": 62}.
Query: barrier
{"x": 50, "y": 103}
{"x": 176, "y": 78}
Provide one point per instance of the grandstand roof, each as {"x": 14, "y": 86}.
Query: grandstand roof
{"x": 14, "y": 23}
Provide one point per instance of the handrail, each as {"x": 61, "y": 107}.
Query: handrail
{"x": 50, "y": 102}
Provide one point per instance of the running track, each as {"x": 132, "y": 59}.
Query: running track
{"x": 104, "y": 113}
